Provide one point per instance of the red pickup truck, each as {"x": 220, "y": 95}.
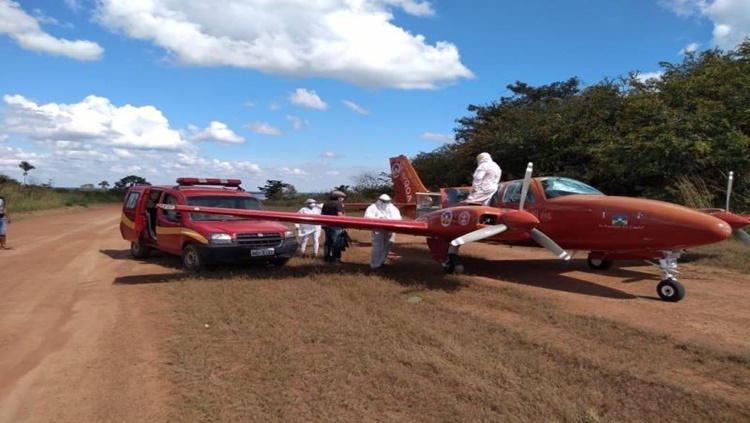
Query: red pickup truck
{"x": 202, "y": 239}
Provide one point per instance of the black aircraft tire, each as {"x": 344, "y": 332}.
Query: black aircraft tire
{"x": 599, "y": 264}
{"x": 670, "y": 290}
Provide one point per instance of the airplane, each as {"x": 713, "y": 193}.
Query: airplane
{"x": 555, "y": 213}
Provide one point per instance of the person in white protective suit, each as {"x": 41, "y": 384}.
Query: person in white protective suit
{"x": 486, "y": 180}
{"x": 382, "y": 240}
{"x": 306, "y": 231}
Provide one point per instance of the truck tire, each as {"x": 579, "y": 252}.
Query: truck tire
{"x": 139, "y": 249}
{"x": 192, "y": 260}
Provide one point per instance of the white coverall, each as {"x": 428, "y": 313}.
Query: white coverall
{"x": 306, "y": 231}
{"x": 486, "y": 180}
{"x": 382, "y": 240}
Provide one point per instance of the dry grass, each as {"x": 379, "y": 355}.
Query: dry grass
{"x": 312, "y": 342}
{"x": 731, "y": 254}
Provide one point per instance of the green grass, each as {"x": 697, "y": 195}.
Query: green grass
{"x": 31, "y": 198}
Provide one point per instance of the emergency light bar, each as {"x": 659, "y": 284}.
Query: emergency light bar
{"x": 209, "y": 181}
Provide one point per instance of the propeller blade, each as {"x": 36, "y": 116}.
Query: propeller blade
{"x": 479, "y": 234}
{"x": 526, "y": 182}
{"x": 729, "y": 189}
{"x": 743, "y": 236}
{"x": 549, "y": 244}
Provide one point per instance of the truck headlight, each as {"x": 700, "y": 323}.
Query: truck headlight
{"x": 289, "y": 234}
{"x": 220, "y": 238}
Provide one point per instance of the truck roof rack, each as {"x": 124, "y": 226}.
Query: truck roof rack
{"x": 216, "y": 182}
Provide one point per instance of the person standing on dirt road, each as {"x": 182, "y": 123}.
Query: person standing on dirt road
{"x": 382, "y": 240}
{"x": 4, "y": 221}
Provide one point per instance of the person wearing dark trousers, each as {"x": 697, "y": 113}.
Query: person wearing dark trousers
{"x": 334, "y": 234}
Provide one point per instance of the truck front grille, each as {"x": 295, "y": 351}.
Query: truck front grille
{"x": 257, "y": 240}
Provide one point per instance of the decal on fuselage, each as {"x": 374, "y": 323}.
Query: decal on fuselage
{"x": 464, "y": 218}
{"x": 446, "y": 218}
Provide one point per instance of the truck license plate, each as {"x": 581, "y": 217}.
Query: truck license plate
{"x": 262, "y": 252}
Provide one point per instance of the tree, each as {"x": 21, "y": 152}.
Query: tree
{"x": 26, "y": 167}
{"x": 277, "y": 190}
{"x": 131, "y": 180}
{"x": 104, "y": 184}
{"x": 369, "y": 185}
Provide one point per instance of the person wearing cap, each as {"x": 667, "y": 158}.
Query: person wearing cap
{"x": 486, "y": 180}
{"x": 382, "y": 240}
{"x": 306, "y": 231}
{"x": 334, "y": 234}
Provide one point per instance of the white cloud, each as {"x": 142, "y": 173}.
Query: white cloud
{"x": 645, "y": 76}
{"x": 690, "y": 48}
{"x": 434, "y": 136}
{"x": 309, "y": 99}
{"x": 297, "y": 122}
{"x": 26, "y": 31}
{"x": 329, "y": 155}
{"x": 355, "y": 107}
{"x": 73, "y": 4}
{"x": 274, "y": 106}
{"x": 95, "y": 120}
{"x": 292, "y": 171}
{"x": 263, "y": 128}
{"x": 3, "y": 137}
{"x": 352, "y": 40}
{"x": 731, "y": 18}
{"x": 333, "y": 173}
{"x": 248, "y": 104}
{"x": 216, "y": 131}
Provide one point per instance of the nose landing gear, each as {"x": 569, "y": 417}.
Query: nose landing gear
{"x": 670, "y": 289}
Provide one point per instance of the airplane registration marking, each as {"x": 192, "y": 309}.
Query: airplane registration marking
{"x": 446, "y": 218}
{"x": 464, "y": 218}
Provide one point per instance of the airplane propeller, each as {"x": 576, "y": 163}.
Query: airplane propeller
{"x": 536, "y": 234}
{"x": 739, "y": 233}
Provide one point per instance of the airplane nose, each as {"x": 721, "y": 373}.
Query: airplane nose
{"x": 722, "y": 231}
{"x": 520, "y": 220}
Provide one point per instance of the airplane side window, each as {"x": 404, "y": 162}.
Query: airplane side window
{"x": 513, "y": 194}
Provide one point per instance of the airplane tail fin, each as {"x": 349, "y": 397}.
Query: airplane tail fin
{"x": 406, "y": 182}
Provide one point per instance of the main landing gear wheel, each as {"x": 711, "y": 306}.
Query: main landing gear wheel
{"x": 139, "y": 249}
{"x": 191, "y": 259}
{"x": 599, "y": 264}
{"x": 670, "y": 290}
{"x": 453, "y": 265}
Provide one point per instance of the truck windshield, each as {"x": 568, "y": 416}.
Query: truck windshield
{"x": 558, "y": 187}
{"x": 224, "y": 201}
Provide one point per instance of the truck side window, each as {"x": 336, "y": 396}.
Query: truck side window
{"x": 171, "y": 215}
{"x": 132, "y": 200}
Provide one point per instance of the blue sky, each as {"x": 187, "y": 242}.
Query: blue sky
{"x": 309, "y": 92}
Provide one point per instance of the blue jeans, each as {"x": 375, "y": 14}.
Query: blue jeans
{"x": 2, "y": 226}
{"x": 332, "y": 246}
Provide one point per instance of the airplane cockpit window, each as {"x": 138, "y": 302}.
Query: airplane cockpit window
{"x": 513, "y": 193}
{"x": 242, "y": 203}
{"x": 558, "y": 187}
{"x": 497, "y": 197}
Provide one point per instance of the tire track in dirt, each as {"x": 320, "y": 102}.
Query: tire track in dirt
{"x": 75, "y": 346}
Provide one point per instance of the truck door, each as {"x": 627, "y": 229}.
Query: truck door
{"x": 169, "y": 226}
{"x": 132, "y": 222}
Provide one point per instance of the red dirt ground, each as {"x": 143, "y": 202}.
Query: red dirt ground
{"x": 76, "y": 346}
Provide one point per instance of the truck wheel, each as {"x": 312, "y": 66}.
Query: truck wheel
{"x": 139, "y": 249}
{"x": 191, "y": 259}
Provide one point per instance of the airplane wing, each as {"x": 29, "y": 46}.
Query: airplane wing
{"x": 410, "y": 227}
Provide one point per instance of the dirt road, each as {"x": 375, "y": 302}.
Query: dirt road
{"x": 82, "y": 333}
{"x": 74, "y": 346}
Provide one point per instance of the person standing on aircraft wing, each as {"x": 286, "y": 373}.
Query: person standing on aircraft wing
{"x": 486, "y": 180}
{"x": 334, "y": 234}
{"x": 306, "y": 231}
{"x": 382, "y": 240}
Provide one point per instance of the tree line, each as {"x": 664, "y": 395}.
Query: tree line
{"x": 626, "y": 136}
